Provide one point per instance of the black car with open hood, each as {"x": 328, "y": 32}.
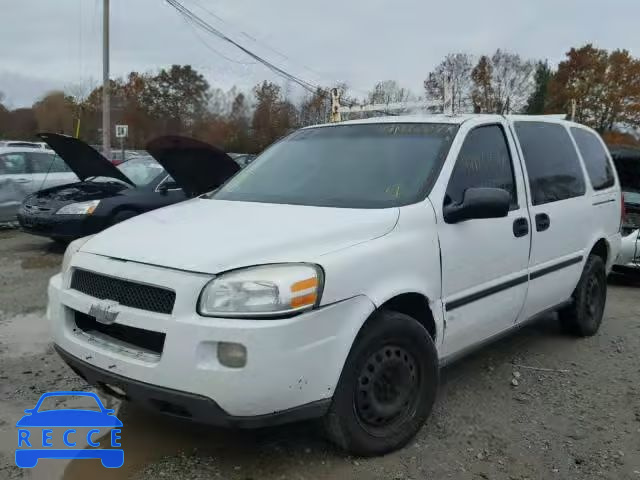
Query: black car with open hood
{"x": 627, "y": 162}
{"x": 177, "y": 168}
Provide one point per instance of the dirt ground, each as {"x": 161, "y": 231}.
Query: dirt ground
{"x": 574, "y": 413}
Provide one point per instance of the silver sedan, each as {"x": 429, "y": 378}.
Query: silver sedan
{"x": 27, "y": 170}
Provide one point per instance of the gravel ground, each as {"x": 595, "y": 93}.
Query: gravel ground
{"x": 537, "y": 405}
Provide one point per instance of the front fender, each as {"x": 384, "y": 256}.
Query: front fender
{"x": 406, "y": 260}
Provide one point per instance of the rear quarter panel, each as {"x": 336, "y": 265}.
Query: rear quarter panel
{"x": 605, "y": 206}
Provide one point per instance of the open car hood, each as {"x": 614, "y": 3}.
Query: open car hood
{"x": 83, "y": 160}
{"x": 196, "y": 166}
{"x": 627, "y": 162}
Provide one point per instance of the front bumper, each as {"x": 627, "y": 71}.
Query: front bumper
{"x": 67, "y": 227}
{"x": 629, "y": 252}
{"x": 184, "y": 404}
{"x": 292, "y": 364}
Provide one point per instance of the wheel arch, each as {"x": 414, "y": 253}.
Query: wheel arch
{"x": 602, "y": 249}
{"x": 414, "y": 304}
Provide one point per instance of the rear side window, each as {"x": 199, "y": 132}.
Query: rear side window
{"x": 595, "y": 158}
{"x": 13, "y": 164}
{"x": 47, "y": 163}
{"x": 552, "y": 162}
{"x": 483, "y": 161}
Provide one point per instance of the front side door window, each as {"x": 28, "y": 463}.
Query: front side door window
{"x": 484, "y": 264}
{"x": 484, "y": 161}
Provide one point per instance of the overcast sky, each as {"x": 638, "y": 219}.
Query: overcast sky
{"x": 47, "y": 44}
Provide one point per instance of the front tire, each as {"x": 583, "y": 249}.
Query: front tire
{"x": 584, "y": 316}
{"x": 387, "y": 387}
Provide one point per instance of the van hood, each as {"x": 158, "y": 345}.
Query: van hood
{"x": 196, "y": 166}
{"x": 211, "y": 236}
{"x": 83, "y": 160}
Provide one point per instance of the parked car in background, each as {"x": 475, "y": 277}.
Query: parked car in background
{"x": 336, "y": 274}
{"x": 27, "y": 170}
{"x": 117, "y": 156}
{"x": 627, "y": 163}
{"x": 177, "y": 169}
{"x": 22, "y": 144}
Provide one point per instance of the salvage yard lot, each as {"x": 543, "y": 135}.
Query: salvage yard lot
{"x": 573, "y": 410}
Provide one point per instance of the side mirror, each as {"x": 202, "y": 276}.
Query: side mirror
{"x": 166, "y": 186}
{"x": 479, "y": 203}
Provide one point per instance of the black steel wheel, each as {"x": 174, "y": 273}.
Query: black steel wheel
{"x": 584, "y": 316}
{"x": 387, "y": 387}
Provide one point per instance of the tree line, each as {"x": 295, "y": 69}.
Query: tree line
{"x": 601, "y": 89}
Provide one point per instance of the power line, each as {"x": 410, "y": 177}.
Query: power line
{"x": 270, "y": 48}
{"x": 256, "y": 41}
{"x": 189, "y": 22}
{"x": 185, "y": 12}
{"x": 196, "y": 20}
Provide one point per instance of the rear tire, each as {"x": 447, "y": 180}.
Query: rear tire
{"x": 584, "y": 316}
{"x": 387, "y": 387}
{"x": 123, "y": 215}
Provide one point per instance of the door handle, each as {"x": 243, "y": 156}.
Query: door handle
{"x": 543, "y": 222}
{"x": 22, "y": 180}
{"x": 520, "y": 227}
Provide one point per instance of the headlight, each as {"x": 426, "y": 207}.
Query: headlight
{"x": 264, "y": 291}
{"x": 71, "y": 250}
{"x": 81, "y": 208}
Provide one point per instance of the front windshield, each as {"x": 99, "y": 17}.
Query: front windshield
{"x": 141, "y": 170}
{"x": 349, "y": 166}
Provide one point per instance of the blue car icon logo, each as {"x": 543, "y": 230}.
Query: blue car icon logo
{"x": 36, "y": 433}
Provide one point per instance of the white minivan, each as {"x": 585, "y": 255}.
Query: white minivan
{"x": 340, "y": 270}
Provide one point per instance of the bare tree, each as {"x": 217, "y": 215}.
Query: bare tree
{"x": 388, "y": 91}
{"x": 512, "y": 80}
{"x": 80, "y": 92}
{"x": 454, "y": 72}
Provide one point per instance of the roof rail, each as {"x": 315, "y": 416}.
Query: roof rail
{"x": 559, "y": 116}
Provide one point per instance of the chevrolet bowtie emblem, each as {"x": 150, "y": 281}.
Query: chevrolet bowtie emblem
{"x": 104, "y": 311}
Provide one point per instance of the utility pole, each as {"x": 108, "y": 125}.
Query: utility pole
{"x": 335, "y": 106}
{"x": 106, "y": 104}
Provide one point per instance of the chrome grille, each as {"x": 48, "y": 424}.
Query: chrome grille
{"x": 125, "y": 292}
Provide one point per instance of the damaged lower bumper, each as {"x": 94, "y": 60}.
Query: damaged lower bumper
{"x": 184, "y": 405}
